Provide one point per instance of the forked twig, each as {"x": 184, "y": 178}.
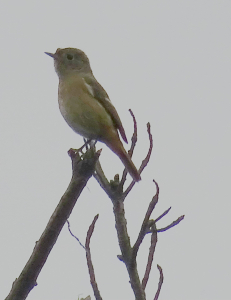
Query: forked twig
{"x": 174, "y": 223}
{"x": 131, "y": 150}
{"x": 144, "y": 162}
{"x": 150, "y": 256}
{"x": 145, "y": 225}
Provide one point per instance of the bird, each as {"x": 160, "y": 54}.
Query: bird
{"x": 85, "y": 105}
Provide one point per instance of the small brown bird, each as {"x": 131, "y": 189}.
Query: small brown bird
{"x": 85, "y": 105}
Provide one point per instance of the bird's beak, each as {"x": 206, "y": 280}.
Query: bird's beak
{"x": 50, "y": 54}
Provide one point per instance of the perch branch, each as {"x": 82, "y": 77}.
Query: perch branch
{"x": 82, "y": 169}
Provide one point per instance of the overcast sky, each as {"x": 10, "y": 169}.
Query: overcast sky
{"x": 170, "y": 62}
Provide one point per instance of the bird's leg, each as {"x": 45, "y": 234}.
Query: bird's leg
{"x": 86, "y": 143}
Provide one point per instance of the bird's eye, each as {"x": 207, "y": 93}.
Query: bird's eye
{"x": 70, "y": 56}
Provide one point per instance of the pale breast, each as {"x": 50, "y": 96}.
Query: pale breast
{"x": 83, "y": 113}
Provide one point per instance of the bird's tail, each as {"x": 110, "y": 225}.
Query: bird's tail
{"x": 126, "y": 160}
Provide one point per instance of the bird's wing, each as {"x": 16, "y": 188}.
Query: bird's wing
{"x": 98, "y": 92}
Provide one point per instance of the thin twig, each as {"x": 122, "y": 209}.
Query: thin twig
{"x": 152, "y": 203}
{"x": 144, "y": 162}
{"x": 174, "y": 223}
{"x": 147, "y": 158}
{"x": 134, "y": 136}
{"x": 69, "y": 228}
{"x": 89, "y": 260}
{"x": 131, "y": 150}
{"x": 145, "y": 224}
{"x": 150, "y": 256}
{"x": 163, "y": 214}
{"x": 160, "y": 282}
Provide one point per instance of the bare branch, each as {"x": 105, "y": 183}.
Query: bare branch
{"x": 150, "y": 256}
{"x": 146, "y": 223}
{"x": 160, "y": 282}
{"x": 90, "y": 232}
{"x": 162, "y": 215}
{"x": 82, "y": 171}
{"x": 131, "y": 150}
{"x": 101, "y": 178}
{"x": 152, "y": 203}
{"x": 134, "y": 136}
{"x": 125, "y": 247}
{"x": 174, "y": 223}
{"x": 144, "y": 162}
{"x": 147, "y": 158}
{"x": 89, "y": 260}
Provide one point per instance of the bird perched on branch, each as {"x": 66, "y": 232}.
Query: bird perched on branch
{"x": 85, "y": 105}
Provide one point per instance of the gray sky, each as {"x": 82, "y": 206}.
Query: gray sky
{"x": 169, "y": 61}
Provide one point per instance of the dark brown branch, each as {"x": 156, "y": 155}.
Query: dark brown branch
{"x": 144, "y": 162}
{"x": 150, "y": 256}
{"x": 160, "y": 282}
{"x": 89, "y": 260}
{"x": 145, "y": 226}
{"x": 82, "y": 171}
{"x": 174, "y": 223}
